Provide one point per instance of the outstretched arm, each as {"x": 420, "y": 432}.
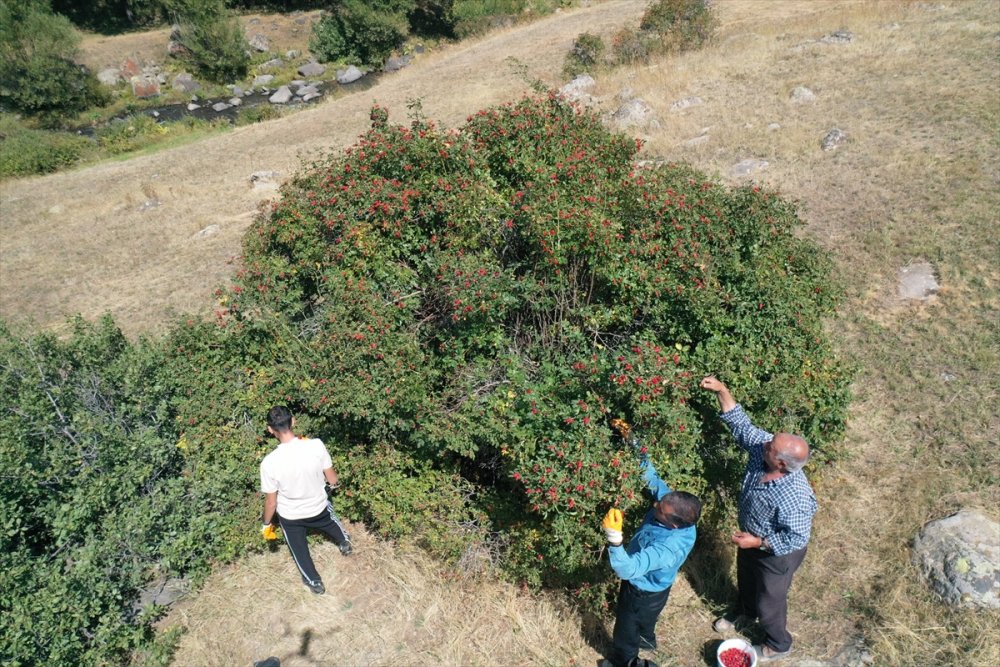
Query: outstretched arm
{"x": 748, "y": 436}
{"x": 726, "y": 400}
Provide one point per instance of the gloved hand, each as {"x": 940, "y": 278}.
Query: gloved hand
{"x": 612, "y": 526}
{"x": 267, "y": 532}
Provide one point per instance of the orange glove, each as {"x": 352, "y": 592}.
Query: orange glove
{"x": 612, "y": 526}
{"x": 267, "y": 532}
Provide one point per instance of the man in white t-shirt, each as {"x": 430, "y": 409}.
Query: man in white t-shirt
{"x": 293, "y": 479}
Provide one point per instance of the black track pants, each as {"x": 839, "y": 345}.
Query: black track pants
{"x": 295, "y": 531}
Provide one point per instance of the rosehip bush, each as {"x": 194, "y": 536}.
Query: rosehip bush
{"x": 487, "y": 298}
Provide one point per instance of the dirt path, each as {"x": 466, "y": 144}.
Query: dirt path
{"x": 120, "y": 237}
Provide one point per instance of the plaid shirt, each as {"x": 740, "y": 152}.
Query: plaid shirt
{"x": 780, "y": 511}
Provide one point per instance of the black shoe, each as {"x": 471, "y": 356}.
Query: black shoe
{"x": 318, "y": 588}
{"x": 345, "y": 549}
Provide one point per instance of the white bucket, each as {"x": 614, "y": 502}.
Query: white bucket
{"x": 740, "y": 644}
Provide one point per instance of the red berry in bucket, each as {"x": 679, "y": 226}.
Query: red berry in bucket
{"x": 735, "y": 657}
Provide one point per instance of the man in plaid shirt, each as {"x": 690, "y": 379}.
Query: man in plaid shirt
{"x": 776, "y": 508}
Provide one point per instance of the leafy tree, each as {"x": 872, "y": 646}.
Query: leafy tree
{"x": 38, "y": 75}
{"x": 680, "y": 24}
{"x": 361, "y": 32}
{"x": 487, "y": 300}
{"x": 213, "y": 39}
{"x": 585, "y": 54}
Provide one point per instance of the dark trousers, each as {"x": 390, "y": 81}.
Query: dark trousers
{"x": 635, "y": 622}
{"x": 295, "y": 531}
{"x": 763, "y": 580}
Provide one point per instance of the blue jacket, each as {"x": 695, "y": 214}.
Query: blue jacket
{"x": 655, "y": 553}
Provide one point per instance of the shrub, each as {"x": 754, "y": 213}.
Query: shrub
{"x": 37, "y": 72}
{"x": 361, "y": 32}
{"x": 584, "y": 56}
{"x": 680, "y": 24}
{"x": 632, "y": 46}
{"x": 129, "y": 134}
{"x": 213, "y": 40}
{"x": 25, "y": 152}
{"x": 433, "y": 18}
{"x": 486, "y": 300}
{"x": 257, "y": 114}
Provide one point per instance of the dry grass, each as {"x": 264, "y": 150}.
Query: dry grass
{"x": 383, "y": 606}
{"x": 916, "y": 91}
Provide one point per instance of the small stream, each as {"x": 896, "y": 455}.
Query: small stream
{"x": 170, "y": 113}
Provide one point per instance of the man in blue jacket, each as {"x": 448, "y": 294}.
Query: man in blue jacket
{"x": 648, "y": 565}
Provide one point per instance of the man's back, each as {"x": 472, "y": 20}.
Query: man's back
{"x": 295, "y": 470}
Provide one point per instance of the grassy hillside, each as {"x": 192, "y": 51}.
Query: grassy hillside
{"x": 915, "y": 91}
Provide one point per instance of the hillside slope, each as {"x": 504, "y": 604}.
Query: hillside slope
{"x": 915, "y": 91}
{"x": 102, "y": 248}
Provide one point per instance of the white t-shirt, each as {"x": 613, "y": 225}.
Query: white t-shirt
{"x": 295, "y": 471}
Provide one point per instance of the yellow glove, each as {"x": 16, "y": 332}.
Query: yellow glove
{"x": 612, "y": 526}
{"x": 623, "y": 428}
{"x": 267, "y": 532}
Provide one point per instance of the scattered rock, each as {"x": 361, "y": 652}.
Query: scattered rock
{"x": 185, "y": 82}
{"x": 773, "y": 127}
{"x": 579, "y": 88}
{"x": 395, "y": 64}
{"x": 164, "y": 593}
{"x": 747, "y": 167}
{"x": 109, "y": 76}
{"x": 144, "y": 87}
{"x": 235, "y": 101}
{"x": 696, "y": 141}
{"x": 264, "y": 180}
{"x": 130, "y": 67}
{"x": 917, "y": 281}
{"x": 192, "y": 106}
{"x": 281, "y": 96}
{"x": 176, "y": 50}
{"x": 302, "y": 91}
{"x": 840, "y": 37}
{"x": 349, "y": 75}
{"x": 211, "y": 230}
{"x": 262, "y": 79}
{"x": 292, "y": 54}
{"x": 259, "y": 42}
{"x": 221, "y": 106}
{"x": 149, "y": 204}
{"x": 833, "y": 139}
{"x": 686, "y": 103}
{"x": 273, "y": 63}
{"x": 312, "y": 69}
{"x": 634, "y": 112}
{"x": 801, "y": 94}
{"x": 960, "y": 558}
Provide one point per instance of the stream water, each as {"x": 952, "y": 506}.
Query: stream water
{"x": 169, "y": 113}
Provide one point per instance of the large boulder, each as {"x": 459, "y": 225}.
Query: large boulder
{"x": 349, "y": 75}
{"x": 960, "y": 558}
{"x": 311, "y": 69}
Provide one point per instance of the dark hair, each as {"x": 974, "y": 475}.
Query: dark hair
{"x": 279, "y": 418}
{"x": 686, "y": 507}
